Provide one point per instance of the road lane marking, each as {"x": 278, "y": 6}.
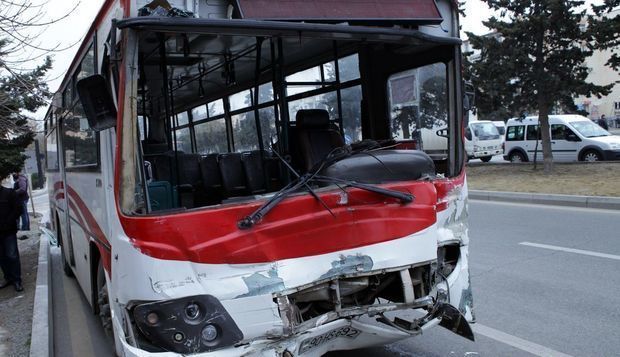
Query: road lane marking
{"x": 4, "y": 350}
{"x": 572, "y": 250}
{"x": 516, "y": 342}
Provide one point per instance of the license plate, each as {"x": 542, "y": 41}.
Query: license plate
{"x": 311, "y": 343}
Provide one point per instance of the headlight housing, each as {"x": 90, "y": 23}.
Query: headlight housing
{"x": 187, "y": 325}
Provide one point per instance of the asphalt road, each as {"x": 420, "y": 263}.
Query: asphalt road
{"x": 77, "y": 331}
{"x": 558, "y": 299}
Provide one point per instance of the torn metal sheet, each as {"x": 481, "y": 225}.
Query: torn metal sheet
{"x": 259, "y": 284}
{"x": 349, "y": 264}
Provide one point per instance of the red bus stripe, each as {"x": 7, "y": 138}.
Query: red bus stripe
{"x": 444, "y": 187}
{"x": 91, "y": 222}
{"x": 298, "y": 227}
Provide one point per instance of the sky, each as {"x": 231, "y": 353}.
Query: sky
{"x": 72, "y": 30}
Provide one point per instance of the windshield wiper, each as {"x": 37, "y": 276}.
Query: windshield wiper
{"x": 294, "y": 186}
{"x": 258, "y": 215}
{"x": 305, "y": 180}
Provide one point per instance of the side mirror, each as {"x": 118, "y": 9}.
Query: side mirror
{"x": 97, "y": 102}
{"x": 442, "y": 132}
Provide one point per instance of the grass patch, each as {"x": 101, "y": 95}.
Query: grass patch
{"x": 589, "y": 179}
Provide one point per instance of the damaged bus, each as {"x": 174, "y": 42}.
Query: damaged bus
{"x": 236, "y": 178}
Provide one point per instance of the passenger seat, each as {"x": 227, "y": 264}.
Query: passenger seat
{"x": 190, "y": 179}
{"x": 233, "y": 176}
{"x": 211, "y": 179}
{"x": 254, "y": 171}
{"x": 316, "y": 136}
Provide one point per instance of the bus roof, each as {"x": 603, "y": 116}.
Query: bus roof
{"x": 280, "y": 28}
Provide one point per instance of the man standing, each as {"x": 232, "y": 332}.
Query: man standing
{"x": 21, "y": 190}
{"x": 9, "y": 254}
{"x": 603, "y": 122}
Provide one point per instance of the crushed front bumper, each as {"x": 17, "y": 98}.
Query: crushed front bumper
{"x": 344, "y": 330}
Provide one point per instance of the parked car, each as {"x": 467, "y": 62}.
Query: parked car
{"x": 482, "y": 140}
{"x": 573, "y": 138}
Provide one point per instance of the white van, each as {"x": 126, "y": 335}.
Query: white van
{"x": 573, "y": 138}
{"x": 501, "y": 128}
{"x": 482, "y": 140}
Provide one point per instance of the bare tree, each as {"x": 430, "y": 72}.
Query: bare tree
{"x": 24, "y": 63}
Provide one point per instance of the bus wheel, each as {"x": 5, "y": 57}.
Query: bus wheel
{"x": 486, "y": 158}
{"x": 66, "y": 268}
{"x": 103, "y": 303}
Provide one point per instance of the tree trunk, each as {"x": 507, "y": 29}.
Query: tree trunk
{"x": 543, "y": 120}
{"x": 541, "y": 86}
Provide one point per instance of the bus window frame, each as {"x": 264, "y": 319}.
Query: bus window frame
{"x": 52, "y": 132}
{"x": 96, "y": 167}
{"x": 440, "y": 47}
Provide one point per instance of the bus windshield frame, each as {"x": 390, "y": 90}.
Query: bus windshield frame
{"x": 277, "y": 41}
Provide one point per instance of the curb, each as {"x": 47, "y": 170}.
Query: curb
{"x": 40, "y": 342}
{"x": 548, "y": 199}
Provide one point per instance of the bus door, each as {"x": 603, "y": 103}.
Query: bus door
{"x": 62, "y": 201}
{"x": 85, "y": 191}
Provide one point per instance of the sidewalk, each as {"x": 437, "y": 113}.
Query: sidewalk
{"x": 548, "y": 199}
{"x": 16, "y": 308}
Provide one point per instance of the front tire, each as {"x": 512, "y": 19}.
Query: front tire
{"x": 516, "y": 156}
{"x": 103, "y": 304}
{"x": 591, "y": 156}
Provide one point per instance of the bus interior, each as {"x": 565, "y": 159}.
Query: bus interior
{"x": 231, "y": 115}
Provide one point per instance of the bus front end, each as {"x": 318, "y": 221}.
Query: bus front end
{"x": 275, "y": 194}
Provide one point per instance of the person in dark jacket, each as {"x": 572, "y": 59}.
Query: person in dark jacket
{"x": 21, "y": 190}
{"x": 9, "y": 253}
{"x": 603, "y": 122}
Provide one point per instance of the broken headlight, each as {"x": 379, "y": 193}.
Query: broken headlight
{"x": 187, "y": 325}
